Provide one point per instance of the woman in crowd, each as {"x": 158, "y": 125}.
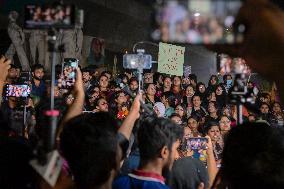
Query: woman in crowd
{"x": 225, "y": 125}
{"x": 168, "y": 99}
{"x": 69, "y": 99}
{"x": 211, "y": 96}
{"x": 167, "y": 83}
{"x": 103, "y": 85}
{"x": 119, "y": 105}
{"x": 212, "y": 83}
{"x": 92, "y": 96}
{"x": 101, "y": 105}
{"x": 214, "y": 132}
{"x": 177, "y": 88}
{"x": 150, "y": 98}
{"x": 192, "y": 123}
{"x": 181, "y": 111}
{"x": 201, "y": 91}
{"x": 188, "y": 94}
{"x": 221, "y": 96}
{"x": 213, "y": 112}
{"x": 230, "y": 111}
{"x": 278, "y": 114}
{"x": 265, "y": 113}
{"x": 196, "y": 102}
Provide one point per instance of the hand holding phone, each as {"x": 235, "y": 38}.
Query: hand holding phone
{"x": 68, "y": 75}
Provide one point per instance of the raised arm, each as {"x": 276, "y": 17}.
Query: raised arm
{"x": 4, "y": 67}
{"x": 77, "y": 107}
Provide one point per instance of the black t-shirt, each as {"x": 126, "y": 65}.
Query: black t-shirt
{"x": 188, "y": 173}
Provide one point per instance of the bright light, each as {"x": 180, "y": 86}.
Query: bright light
{"x": 132, "y": 62}
{"x": 196, "y": 14}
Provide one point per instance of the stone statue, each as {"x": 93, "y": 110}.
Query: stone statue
{"x": 37, "y": 45}
{"x": 73, "y": 41}
{"x": 17, "y": 36}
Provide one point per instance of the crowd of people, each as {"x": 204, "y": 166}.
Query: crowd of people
{"x": 176, "y": 132}
{"x": 182, "y": 109}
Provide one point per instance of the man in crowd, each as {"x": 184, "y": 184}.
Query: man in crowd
{"x": 38, "y": 84}
{"x": 12, "y": 75}
{"x": 158, "y": 140}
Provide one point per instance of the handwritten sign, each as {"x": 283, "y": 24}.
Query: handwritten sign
{"x": 171, "y": 59}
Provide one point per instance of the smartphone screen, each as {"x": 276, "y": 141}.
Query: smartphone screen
{"x": 197, "y": 143}
{"x": 197, "y": 22}
{"x": 41, "y": 17}
{"x": 18, "y": 90}
{"x": 68, "y": 75}
{"x": 198, "y": 146}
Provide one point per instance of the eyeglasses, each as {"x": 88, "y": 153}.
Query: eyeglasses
{"x": 180, "y": 109}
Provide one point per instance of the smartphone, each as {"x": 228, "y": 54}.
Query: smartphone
{"x": 68, "y": 75}
{"x": 197, "y": 143}
{"x": 49, "y": 16}
{"x": 197, "y": 22}
{"x": 134, "y": 61}
{"x": 18, "y": 90}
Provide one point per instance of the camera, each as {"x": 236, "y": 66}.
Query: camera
{"x": 137, "y": 61}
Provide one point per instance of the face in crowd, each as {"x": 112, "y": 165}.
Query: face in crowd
{"x": 212, "y": 97}
{"x": 133, "y": 85}
{"x": 176, "y": 119}
{"x": 38, "y": 74}
{"x": 102, "y": 105}
{"x": 196, "y": 101}
{"x": 192, "y": 124}
{"x": 167, "y": 82}
{"x": 187, "y": 133}
{"x": 12, "y": 73}
{"x": 180, "y": 111}
{"x": 212, "y": 108}
{"x": 219, "y": 91}
{"x": 213, "y": 80}
{"x": 264, "y": 109}
{"x": 214, "y": 133}
{"x": 103, "y": 82}
{"x": 148, "y": 78}
{"x": 201, "y": 88}
{"x": 121, "y": 98}
{"x": 69, "y": 99}
{"x": 151, "y": 90}
{"x": 276, "y": 108}
{"x": 225, "y": 124}
{"x": 86, "y": 77}
{"x": 95, "y": 94}
{"x": 177, "y": 81}
{"x": 189, "y": 92}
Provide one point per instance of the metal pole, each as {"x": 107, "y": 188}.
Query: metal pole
{"x": 239, "y": 114}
